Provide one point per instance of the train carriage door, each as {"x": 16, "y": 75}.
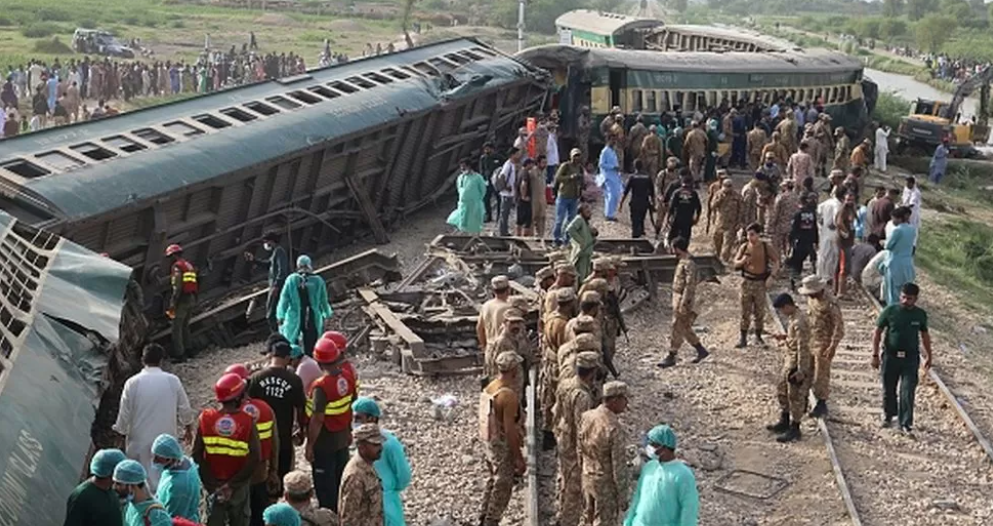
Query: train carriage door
{"x": 617, "y": 84}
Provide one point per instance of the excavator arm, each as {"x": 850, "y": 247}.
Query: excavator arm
{"x": 980, "y": 80}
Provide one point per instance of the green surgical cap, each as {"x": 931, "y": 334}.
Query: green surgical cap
{"x": 281, "y": 515}
{"x": 662, "y": 436}
{"x": 104, "y": 461}
{"x": 303, "y": 261}
{"x": 130, "y": 472}
{"x": 166, "y": 446}
{"x": 366, "y": 406}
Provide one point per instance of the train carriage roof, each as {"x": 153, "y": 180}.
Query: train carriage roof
{"x": 812, "y": 61}
{"x": 734, "y": 33}
{"x": 96, "y": 187}
{"x": 603, "y": 23}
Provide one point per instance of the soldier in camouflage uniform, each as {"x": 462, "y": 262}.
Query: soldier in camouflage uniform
{"x": 543, "y": 280}
{"x": 787, "y": 129}
{"x": 729, "y": 208}
{"x": 565, "y": 277}
{"x": 683, "y": 316}
{"x": 584, "y": 341}
{"x": 509, "y": 339}
{"x": 827, "y": 329}
{"x": 589, "y": 310}
{"x": 756, "y": 195}
{"x": 780, "y": 217}
{"x": 842, "y": 150}
{"x": 757, "y": 261}
{"x": 814, "y": 149}
{"x": 605, "y": 477}
{"x": 608, "y": 325}
{"x": 824, "y": 134}
{"x": 798, "y": 368}
{"x": 504, "y": 456}
{"x": 360, "y": 500}
{"x": 573, "y": 398}
{"x": 553, "y": 337}
{"x": 778, "y": 150}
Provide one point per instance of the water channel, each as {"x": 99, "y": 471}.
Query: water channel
{"x": 911, "y": 90}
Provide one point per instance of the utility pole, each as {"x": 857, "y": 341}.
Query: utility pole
{"x": 520, "y": 25}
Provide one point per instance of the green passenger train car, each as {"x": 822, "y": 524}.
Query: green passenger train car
{"x": 653, "y": 83}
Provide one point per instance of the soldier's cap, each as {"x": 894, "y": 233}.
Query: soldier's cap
{"x": 565, "y": 295}
{"x": 727, "y": 183}
{"x": 565, "y": 268}
{"x": 601, "y": 264}
{"x": 513, "y": 315}
{"x": 500, "y": 282}
{"x": 811, "y": 285}
{"x": 508, "y": 360}
{"x": 770, "y": 155}
{"x": 298, "y": 482}
{"x": 612, "y": 389}
{"x": 837, "y": 173}
{"x": 585, "y": 323}
{"x": 368, "y": 433}
{"x": 596, "y": 284}
{"x": 544, "y": 273}
{"x": 520, "y": 303}
{"x": 617, "y": 261}
{"x": 590, "y": 296}
{"x": 838, "y": 130}
{"x": 722, "y": 174}
{"x": 585, "y": 342}
{"x": 575, "y": 151}
{"x": 782, "y": 300}
{"x": 588, "y": 360}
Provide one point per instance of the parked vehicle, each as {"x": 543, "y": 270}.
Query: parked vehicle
{"x": 99, "y": 42}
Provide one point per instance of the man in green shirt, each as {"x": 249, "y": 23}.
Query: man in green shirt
{"x": 905, "y": 325}
{"x": 94, "y": 502}
{"x": 568, "y": 187}
{"x": 582, "y": 237}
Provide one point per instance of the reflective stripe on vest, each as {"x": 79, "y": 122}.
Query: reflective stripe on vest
{"x": 265, "y": 430}
{"x": 225, "y": 446}
{"x": 338, "y": 407}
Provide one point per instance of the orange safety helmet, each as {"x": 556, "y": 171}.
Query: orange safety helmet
{"x": 326, "y": 351}
{"x": 338, "y": 338}
{"x": 173, "y": 249}
{"x": 229, "y": 387}
{"x": 238, "y": 369}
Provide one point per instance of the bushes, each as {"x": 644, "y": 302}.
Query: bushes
{"x": 41, "y": 30}
{"x": 890, "y": 108}
{"x": 52, "y": 47}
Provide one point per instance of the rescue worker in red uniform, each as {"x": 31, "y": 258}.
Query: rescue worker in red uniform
{"x": 341, "y": 342}
{"x": 182, "y": 302}
{"x": 227, "y": 450}
{"x": 265, "y": 487}
{"x": 329, "y": 432}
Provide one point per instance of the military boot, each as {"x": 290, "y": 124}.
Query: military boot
{"x": 820, "y": 410}
{"x": 782, "y": 425}
{"x": 758, "y": 338}
{"x": 669, "y": 361}
{"x": 743, "y": 341}
{"x": 791, "y": 435}
{"x": 701, "y": 353}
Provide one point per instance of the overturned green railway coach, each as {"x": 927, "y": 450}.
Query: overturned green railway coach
{"x": 70, "y": 333}
{"x": 324, "y": 157}
{"x": 653, "y": 83}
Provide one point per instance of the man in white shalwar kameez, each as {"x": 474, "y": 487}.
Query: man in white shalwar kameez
{"x": 153, "y": 402}
{"x": 827, "y": 252}
{"x": 911, "y": 199}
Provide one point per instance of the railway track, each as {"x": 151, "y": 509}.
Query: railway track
{"x": 939, "y": 476}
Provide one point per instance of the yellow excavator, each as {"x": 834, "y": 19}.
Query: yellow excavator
{"x": 931, "y": 121}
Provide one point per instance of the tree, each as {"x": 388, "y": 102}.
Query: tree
{"x": 680, "y": 5}
{"x": 934, "y": 30}
{"x": 959, "y": 10}
{"x": 892, "y": 28}
{"x": 918, "y": 9}
{"x": 893, "y": 8}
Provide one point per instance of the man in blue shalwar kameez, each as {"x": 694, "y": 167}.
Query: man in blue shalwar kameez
{"x": 898, "y": 267}
{"x": 471, "y": 211}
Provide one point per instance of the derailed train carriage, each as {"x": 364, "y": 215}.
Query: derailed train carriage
{"x": 71, "y": 328}
{"x": 324, "y": 157}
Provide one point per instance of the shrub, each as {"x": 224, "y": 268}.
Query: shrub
{"x": 52, "y": 47}
{"x": 40, "y": 30}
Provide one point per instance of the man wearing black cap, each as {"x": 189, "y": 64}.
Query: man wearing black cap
{"x": 283, "y": 390}
{"x": 279, "y": 268}
{"x": 684, "y": 211}
{"x": 489, "y": 163}
{"x": 798, "y": 370}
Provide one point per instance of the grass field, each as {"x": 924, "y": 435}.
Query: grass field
{"x": 175, "y": 30}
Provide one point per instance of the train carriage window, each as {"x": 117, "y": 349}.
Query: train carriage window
{"x": 426, "y": 69}
{"x": 342, "y": 87}
{"x": 93, "y": 151}
{"x": 305, "y": 97}
{"x": 395, "y": 73}
{"x": 327, "y": 93}
{"x": 679, "y": 101}
{"x": 261, "y": 109}
{"x": 124, "y": 144}
{"x": 664, "y": 102}
{"x": 153, "y": 136}
{"x": 282, "y": 102}
{"x": 470, "y": 54}
{"x": 413, "y": 71}
{"x": 24, "y": 168}
{"x": 238, "y": 114}
{"x": 212, "y": 121}
{"x": 848, "y": 93}
{"x": 59, "y": 160}
{"x": 636, "y": 100}
{"x": 651, "y": 102}
{"x": 382, "y": 79}
{"x": 712, "y": 99}
{"x": 456, "y": 58}
{"x": 484, "y": 51}
{"x": 361, "y": 82}
{"x": 182, "y": 128}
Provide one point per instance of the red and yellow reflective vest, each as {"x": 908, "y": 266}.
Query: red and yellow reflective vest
{"x": 225, "y": 439}
{"x": 184, "y": 277}
{"x": 339, "y": 390}
{"x": 264, "y": 422}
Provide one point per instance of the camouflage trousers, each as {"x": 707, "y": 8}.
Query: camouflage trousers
{"x": 696, "y": 165}
{"x": 601, "y": 506}
{"x": 725, "y": 243}
{"x": 547, "y": 385}
{"x": 821, "y": 385}
{"x": 682, "y": 330}
{"x": 755, "y": 159}
{"x": 568, "y": 486}
{"x": 753, "y": 300}
{"x": 500, "y": 483}
{"x": 792, "y": 398}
